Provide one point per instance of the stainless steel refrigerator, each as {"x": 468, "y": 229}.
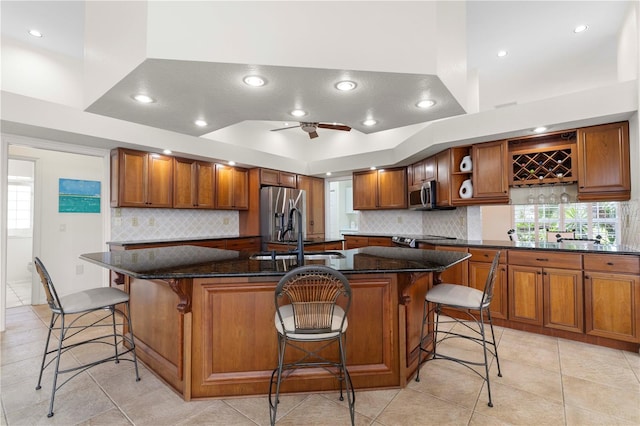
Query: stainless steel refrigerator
{"x": 278, "y": 221}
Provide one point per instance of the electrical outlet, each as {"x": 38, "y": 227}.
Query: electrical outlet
{"x": 152, "y": 221}
{"x": 399, "y": 219}
{"x": 134, "y": 221}
{"x": 117, "y": 212}
{"x": 117, "y": 221}
{"x": 462, "y": 221}
{"x": 225, "y": 221}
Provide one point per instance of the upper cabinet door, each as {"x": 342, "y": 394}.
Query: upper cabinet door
{"x": 490, "y": 177}
{"x": 205, "y": 178}
{"x": 160, "y": 181}
{"x": 232, "y": 188}
{"x": 365, "y": 188}
{"x": 392, "y": 189}
{"x": 603, "y": 162}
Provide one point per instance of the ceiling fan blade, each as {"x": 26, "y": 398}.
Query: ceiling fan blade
{"x": 285, "y": 128}
{"x": 313, "y": 135}
{"x": 334, "y": 127}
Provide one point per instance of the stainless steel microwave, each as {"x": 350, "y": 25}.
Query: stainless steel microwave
{"x": 423, "y": 198}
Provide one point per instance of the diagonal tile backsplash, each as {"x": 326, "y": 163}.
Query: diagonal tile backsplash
{"x": 450, "y": 223}
{"x": 152, "y": 224}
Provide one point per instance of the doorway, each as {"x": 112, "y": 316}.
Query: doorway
{"x": 342, "y": 217}
{"x": 20, "y": 224}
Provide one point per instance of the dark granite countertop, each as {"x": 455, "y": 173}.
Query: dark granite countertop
{"x": 567, "y": 246}
{"x": 178, "y": 262}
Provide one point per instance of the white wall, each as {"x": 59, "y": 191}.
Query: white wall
{"x": 62, "y": 237}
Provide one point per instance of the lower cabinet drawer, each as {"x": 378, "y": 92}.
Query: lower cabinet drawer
{"x": 545, "y": 259}
{"x": 486, "y": 255}
{"x": 612, "y": 263}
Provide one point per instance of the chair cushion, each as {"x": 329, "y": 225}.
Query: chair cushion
{"x": 287, "y": 317}
{"x": 94, "y": 298}
{"x": 455, "y": 295}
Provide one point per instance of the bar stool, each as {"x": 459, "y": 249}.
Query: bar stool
{"x": 307, "y": 310}
{"x": 81, "y": 304}
{"x": 474, "y": 305}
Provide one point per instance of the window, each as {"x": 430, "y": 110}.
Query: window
{"x": 19, "y": 200}
{"x": 586, "y": 220}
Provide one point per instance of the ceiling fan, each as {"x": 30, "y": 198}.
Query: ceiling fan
{"x": 311, "y": 128}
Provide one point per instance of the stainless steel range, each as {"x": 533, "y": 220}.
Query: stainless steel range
{"x": 412, "y": 241}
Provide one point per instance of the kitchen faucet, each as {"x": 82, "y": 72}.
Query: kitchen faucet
{"x": 299, "y": 251}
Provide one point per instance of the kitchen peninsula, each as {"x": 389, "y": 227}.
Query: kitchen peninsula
{"x": 203, "y": 317}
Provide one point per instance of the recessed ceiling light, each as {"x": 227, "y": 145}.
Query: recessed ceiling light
{"x": 502, "y": 53}
{"x": 346, "y": 85}
{"x": 254, "y": 80}
{"x": 372, "y": 168}
{"x": 426, "y": 103}
{"x": 143, "y": 99}
{"x": 580, "y": 28}
{"x": 369, "y": 122}
{"x": 298, "y": 113}
{"x": 328, "y": 173}
{"x": 200, "y": 123}
{"x": 231, "y": 163}
{"x": 35, "y": 33}
{"x": 166, "y": 151}
{"x": 540, "y": 129}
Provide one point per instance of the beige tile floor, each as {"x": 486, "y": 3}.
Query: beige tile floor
{"x": 546, "y": 381}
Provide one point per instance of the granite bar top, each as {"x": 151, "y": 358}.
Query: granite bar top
{"x": 177, "y": 262}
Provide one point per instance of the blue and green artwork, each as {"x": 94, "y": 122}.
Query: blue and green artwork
{"x": 78, "y": 196}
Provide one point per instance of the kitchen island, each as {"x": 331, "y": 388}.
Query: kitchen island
{"x": 203, "y": 317}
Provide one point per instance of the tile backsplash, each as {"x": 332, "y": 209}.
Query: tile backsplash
{"x": 450, "y": 223}
{"x": 631, "y": 223}
{"x": 152, "y": 224}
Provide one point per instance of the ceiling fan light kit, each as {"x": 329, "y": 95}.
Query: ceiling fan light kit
{"x": 312, "y": 127}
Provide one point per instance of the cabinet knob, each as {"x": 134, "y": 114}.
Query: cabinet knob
{"x": 542, "y": 259}
{"x": 587, "y": 277}
{"x": 610, "y": 263}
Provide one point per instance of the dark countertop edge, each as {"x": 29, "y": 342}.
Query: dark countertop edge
{"x": 307, "y": 242}
{"x": 216, "y": 238}
{"x": 256, "y": 274}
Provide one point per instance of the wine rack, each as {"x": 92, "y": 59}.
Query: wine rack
{"x": 543, "y": 167}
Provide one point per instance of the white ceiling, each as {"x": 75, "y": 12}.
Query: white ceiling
{"x": 545, "y": 59}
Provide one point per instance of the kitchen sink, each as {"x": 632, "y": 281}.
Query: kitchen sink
{"x": 314, "y": 255}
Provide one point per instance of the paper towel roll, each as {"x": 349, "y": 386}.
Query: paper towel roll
{"x": 466, "y": 164}
{"x": 466, "y": 189}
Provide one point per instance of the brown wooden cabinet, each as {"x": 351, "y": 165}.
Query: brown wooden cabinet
{"x": 232, "y": 187}
{"x": 357, "y": 241}
{"x": 443, "y": 178}
{"x": 269, "y": 177}
{"x": 563, "y": 299}
{"x": 380, "y": 189}
{"x": 141, "y": 179}
{"x": 612, "y": 293}
{"x": 603, "y": 163}
{"x": 545, "y": 288}
{"x": 314, "y": 189}
{"x": 458, "y": 273}
{"x": 479, "y": 267}
{"x": 422, "y": 171}
{"x": 193, "y": 184}
{"x": 490, "y": 177}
